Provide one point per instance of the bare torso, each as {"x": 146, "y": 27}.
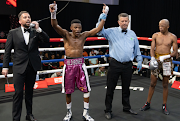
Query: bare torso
{"x": 74, "y": 46}
{"x": 163, "y": 42}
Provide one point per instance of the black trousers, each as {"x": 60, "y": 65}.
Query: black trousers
{"x": 27, "y": 79}
{"x": 115, "y": 70}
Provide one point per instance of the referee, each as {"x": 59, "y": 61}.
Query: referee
{"x": 123, "y": 47}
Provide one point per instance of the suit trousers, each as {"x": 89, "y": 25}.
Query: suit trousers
{"x": 115, "y": 70}
{"x": 26, "y": 79}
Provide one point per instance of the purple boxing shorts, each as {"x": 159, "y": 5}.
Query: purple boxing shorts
{"x": 75, "y": 72}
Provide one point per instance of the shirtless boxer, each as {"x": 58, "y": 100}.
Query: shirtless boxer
{"x": 160, "y": 51}
{"x": 74, "y": 70}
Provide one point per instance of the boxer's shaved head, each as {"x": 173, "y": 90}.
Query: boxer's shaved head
{"x": 165, "y": 22}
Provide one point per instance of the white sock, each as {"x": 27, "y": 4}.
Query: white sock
{"x": 68, "y": 105}
{"x": 86, "y": 107}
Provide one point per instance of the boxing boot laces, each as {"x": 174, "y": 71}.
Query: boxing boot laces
{"x": 68, "y": 115}
{"x": 145, "y": 107}
{"x": 86, "y": 116}
{"x": 165, "y": 111}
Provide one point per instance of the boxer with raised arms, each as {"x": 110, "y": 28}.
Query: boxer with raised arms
{"x": 74, "y": 70}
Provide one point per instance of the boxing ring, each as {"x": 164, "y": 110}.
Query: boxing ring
{"x": 49, "y": 103}
{"x": 85, "y": 47}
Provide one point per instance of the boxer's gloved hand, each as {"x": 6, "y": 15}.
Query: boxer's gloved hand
{"x": 53, "y": 10}
{"x": 139, "y": 66}
{"x": 153, "y": 60}
{"x": 153, "y": 64}
{"x": 162, "y": 58}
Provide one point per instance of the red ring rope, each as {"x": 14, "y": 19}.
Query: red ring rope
{"x": 91, "y": 39}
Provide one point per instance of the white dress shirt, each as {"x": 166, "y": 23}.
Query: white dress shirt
{"x": 26, "y": 34}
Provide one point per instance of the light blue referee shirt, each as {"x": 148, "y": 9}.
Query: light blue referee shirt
{"x": 122, "y": 46}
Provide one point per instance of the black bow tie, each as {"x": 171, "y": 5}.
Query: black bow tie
{"x": 26, "y": 30}
{"x": 124, "y": 30}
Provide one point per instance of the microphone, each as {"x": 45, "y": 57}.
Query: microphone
{"x": 33, "y": 25}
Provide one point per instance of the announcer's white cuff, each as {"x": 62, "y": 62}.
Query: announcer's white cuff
{"x": 39, "y": 30}
{"x": 5, "y": 68}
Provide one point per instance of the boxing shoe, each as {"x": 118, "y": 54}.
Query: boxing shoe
{"x": 68, "y": 115}
{"x": 145, "y": 107}
{"x": 164, "y": 109}
{"x": 86, "y": 116}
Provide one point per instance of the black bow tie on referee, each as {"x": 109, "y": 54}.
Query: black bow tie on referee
{"x": 27, "y": 30}
{"x": 124, "y": 31}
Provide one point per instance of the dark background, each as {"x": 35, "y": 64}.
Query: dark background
{"x": 145, "y": 15}
{"x": 6, "y": 9}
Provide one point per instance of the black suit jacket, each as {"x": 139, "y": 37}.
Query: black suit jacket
{"x": 23, "y": 53}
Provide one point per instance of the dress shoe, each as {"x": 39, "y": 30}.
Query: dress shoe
{"x": 165, "y": 111}
{"x": 145, "y": 107}
{"x": 108, "y": 115}
{"x": 30, "y": 118}
{"x": 130, "y": 111}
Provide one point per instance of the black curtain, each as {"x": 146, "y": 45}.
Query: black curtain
{"x": 145, "y": 14}
{"x": 4, "y": 23}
